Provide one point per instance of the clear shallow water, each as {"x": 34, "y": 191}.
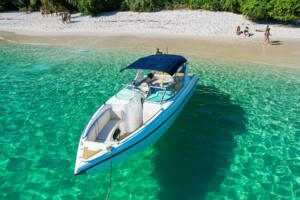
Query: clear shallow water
{"x": 238, "y": 138}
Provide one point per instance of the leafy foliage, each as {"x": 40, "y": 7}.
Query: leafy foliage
{"x": 7, "y": 5}
{"x": 231, "y": 5}
{"x": 143, "y": 5}
{"x": 256, "y": 9}
{"x": 283, "y": 10}
{"x": 94, "y": 7}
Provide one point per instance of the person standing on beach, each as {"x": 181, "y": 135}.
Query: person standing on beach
{"x": 267, "y": 35}
{"x": 64, "y": 17}
{"x": 42, "y": 12}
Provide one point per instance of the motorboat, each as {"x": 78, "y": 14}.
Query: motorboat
{"x": 138, "y": 114}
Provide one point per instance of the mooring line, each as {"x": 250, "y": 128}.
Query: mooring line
{"x": 108, "y": 192}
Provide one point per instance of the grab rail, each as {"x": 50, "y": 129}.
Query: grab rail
{"x": 163, "y": 95}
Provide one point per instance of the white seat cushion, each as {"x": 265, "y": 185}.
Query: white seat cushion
{"x": 107, "y": 130}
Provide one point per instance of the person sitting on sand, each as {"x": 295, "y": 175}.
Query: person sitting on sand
{"x": 46, "y": 12}
{"x": 267, "y": 35}
{"x": 246, "y": 32}
{"x": 42, "y": 12}
{"x": 157, "y": 51}
{"x": 238, "y": 31}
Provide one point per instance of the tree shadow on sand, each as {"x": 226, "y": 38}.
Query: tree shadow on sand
{"x": 292, "y": 23}
{"x": 195, "y": 152}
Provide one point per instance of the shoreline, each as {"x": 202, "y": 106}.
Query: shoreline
{"x": 200, "y": 34}
{"x": 283, "y": 54}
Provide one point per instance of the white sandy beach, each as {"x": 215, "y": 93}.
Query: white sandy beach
{"x": 197, "y": 33}
{"x": 177, "y": 22}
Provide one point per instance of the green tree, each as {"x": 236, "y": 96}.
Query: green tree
{"x": 231, "y": 5}
{"x": 285, "y": 10}
{"x": 256, "y": 9}
{"x": 7, "y": 5}
{"x": 23, "y": 3}
{"x": 91, "y": 7}
{"x": 143, "y": 5}
{"x": 205, "y": 4}
{"x": 94, "y": 7}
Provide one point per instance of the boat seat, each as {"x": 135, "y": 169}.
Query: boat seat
{"x": 108, "y": 130}
{"x": 97, "y": 129}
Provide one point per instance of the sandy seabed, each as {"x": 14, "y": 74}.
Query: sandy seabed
{"x": 197, "y": 33}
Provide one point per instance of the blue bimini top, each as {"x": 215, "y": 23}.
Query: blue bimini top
{"x": 161, "y": 62}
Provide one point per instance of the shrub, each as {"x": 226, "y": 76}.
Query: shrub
{"x": 231, "y": 5}
{"x": 90, "y": 7}
{"x": 205, "y": 4}
{"x": 8, "y": 5}
{"x": 143, "y": 5}
{"x": 34, "y": 5}
{"x": 94, "y": 7}
{"x": 285, "y": 10}
{"x": 23, "y": 3}
{"x": 256, "y": 9}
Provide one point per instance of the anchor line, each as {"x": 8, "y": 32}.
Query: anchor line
{"x": 108, "y": 192}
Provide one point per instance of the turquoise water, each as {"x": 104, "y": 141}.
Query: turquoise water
{"x": 238, "y": 138}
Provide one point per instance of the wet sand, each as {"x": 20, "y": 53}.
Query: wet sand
{"x": 279, "y": 53}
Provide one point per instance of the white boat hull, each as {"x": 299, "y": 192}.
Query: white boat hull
{"x": 145, "y": 135}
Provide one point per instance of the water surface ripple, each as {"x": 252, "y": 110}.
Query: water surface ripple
{"x": 237, "y": 138}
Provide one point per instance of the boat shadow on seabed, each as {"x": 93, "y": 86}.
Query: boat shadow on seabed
{"x": 198, "y": 148}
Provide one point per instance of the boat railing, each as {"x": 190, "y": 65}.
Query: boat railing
{"x": 165, "y": 90}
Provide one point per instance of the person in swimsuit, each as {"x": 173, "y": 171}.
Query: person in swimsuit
{"x": 267, "y": 35}
{"x": 42, "y": 12}
{"x": 64, "y": 17}
{"x": 246, "y": 31}
{"x": 238, "y": 31}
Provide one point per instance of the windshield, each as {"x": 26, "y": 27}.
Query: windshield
{"x": 158, "y": 94}
{"x": 154, "y": 86}
{"x": 126, "y": 92}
